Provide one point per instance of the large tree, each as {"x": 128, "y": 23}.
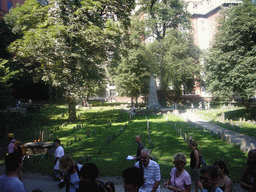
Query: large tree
{"x": 67, "y": 42}
{"x": 175, "y": 60}
{"x": 161, "y": 17}
{"x": 230, "y": 65}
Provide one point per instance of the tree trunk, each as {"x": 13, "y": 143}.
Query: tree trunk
{"x": 131, "y": 101}
{"x": 72, "y": 111}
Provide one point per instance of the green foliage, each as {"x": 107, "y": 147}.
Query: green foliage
{"x": 163, "y": 19}
{"x": 175, "y": 59}
{"x": 69, "y": 41}
{"x": 133, "y": 73}
{"x": 230, "y": 64}
{"x": 5, "y": 85}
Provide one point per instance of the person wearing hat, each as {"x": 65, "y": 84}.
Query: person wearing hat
{"x": 11, "y": 146}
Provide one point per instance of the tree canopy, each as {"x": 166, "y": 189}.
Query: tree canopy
{"x": 68, "y": 42}
{"x": 173, "y": 60}
{"x": 230, "y": 65}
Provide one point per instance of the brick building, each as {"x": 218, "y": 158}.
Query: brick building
{"x": 6, "y": 5}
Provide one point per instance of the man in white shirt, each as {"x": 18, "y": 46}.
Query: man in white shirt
{"x": 151, "y": 171}
{"x": 59, "y": 152}
{"x": 11, "y": 181}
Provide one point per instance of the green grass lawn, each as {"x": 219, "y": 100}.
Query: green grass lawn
{"x": 234, "y": 115}
{"x": 111, "y": 158}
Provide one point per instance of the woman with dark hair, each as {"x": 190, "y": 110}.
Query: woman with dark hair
{"x": 133, "y": 179}
{"x": 194, "y": 163}
{"x": 224, "y": 183}
{"x": 88, "y": 175}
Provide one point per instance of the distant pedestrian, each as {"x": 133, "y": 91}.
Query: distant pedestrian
{"x": 194, "y": 163}
{"x": 224, "y": 183}
{"x": 179, "y": 178}
{"x": 133, "y": 179}
{"x": 10, "y": 182}
{"x": 11, "y": 145}
{"x": 248, "y": 181}
{"x": 59, "y": 152}
{"x": 140, "y": 146}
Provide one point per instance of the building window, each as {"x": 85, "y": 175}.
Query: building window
{"x": 9, "y": 5}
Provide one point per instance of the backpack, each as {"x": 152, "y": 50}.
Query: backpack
{"x": 19, "y": 148}
{"x": 201, "y": 160}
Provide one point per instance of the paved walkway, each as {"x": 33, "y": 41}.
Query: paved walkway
{"x": 235, "y": 136}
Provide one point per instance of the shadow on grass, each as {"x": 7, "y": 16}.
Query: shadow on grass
{"x": 111, "y": 158}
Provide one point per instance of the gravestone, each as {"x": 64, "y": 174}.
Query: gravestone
{"x": 223, "y": 137}
{"x": 243, "y": 146}
{"x": 45, "y": 135}
{"x": 152, "y": 99}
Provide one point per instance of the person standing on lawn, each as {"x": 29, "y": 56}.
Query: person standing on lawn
{"x": 151, "y": 172}
{"x": 140, "y": 147}
{"x": 11, "y": 181}
{"x": 194, "y": 162}
{"x": 59, "y": 152}
{"x": 248, "y": 181}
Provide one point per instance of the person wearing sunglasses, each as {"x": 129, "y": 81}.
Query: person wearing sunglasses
{"x": 209, "y": 178}
{"x": 179, "y": 178}
{"x": 150, "y": 170}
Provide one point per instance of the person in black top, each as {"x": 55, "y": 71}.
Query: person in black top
{"x": 140, "y": 147}
{"x": 194, "y": 163}
{"x": 248, "y": 181}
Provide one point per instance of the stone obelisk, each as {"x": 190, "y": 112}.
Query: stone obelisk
{"x": 152, "y": 98}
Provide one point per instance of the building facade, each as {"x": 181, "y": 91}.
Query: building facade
{"x": 6, "y": 5}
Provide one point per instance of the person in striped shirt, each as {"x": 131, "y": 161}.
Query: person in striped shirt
{"x": 151, "y": 171}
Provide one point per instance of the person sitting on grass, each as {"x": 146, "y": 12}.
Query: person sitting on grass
{"x": 71, "y": 170}
{"x": 225, "y": 184}
{"x": 179, "y": 178}
{"x": 133, "y": 179}
{"x": 88, "y": 175}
